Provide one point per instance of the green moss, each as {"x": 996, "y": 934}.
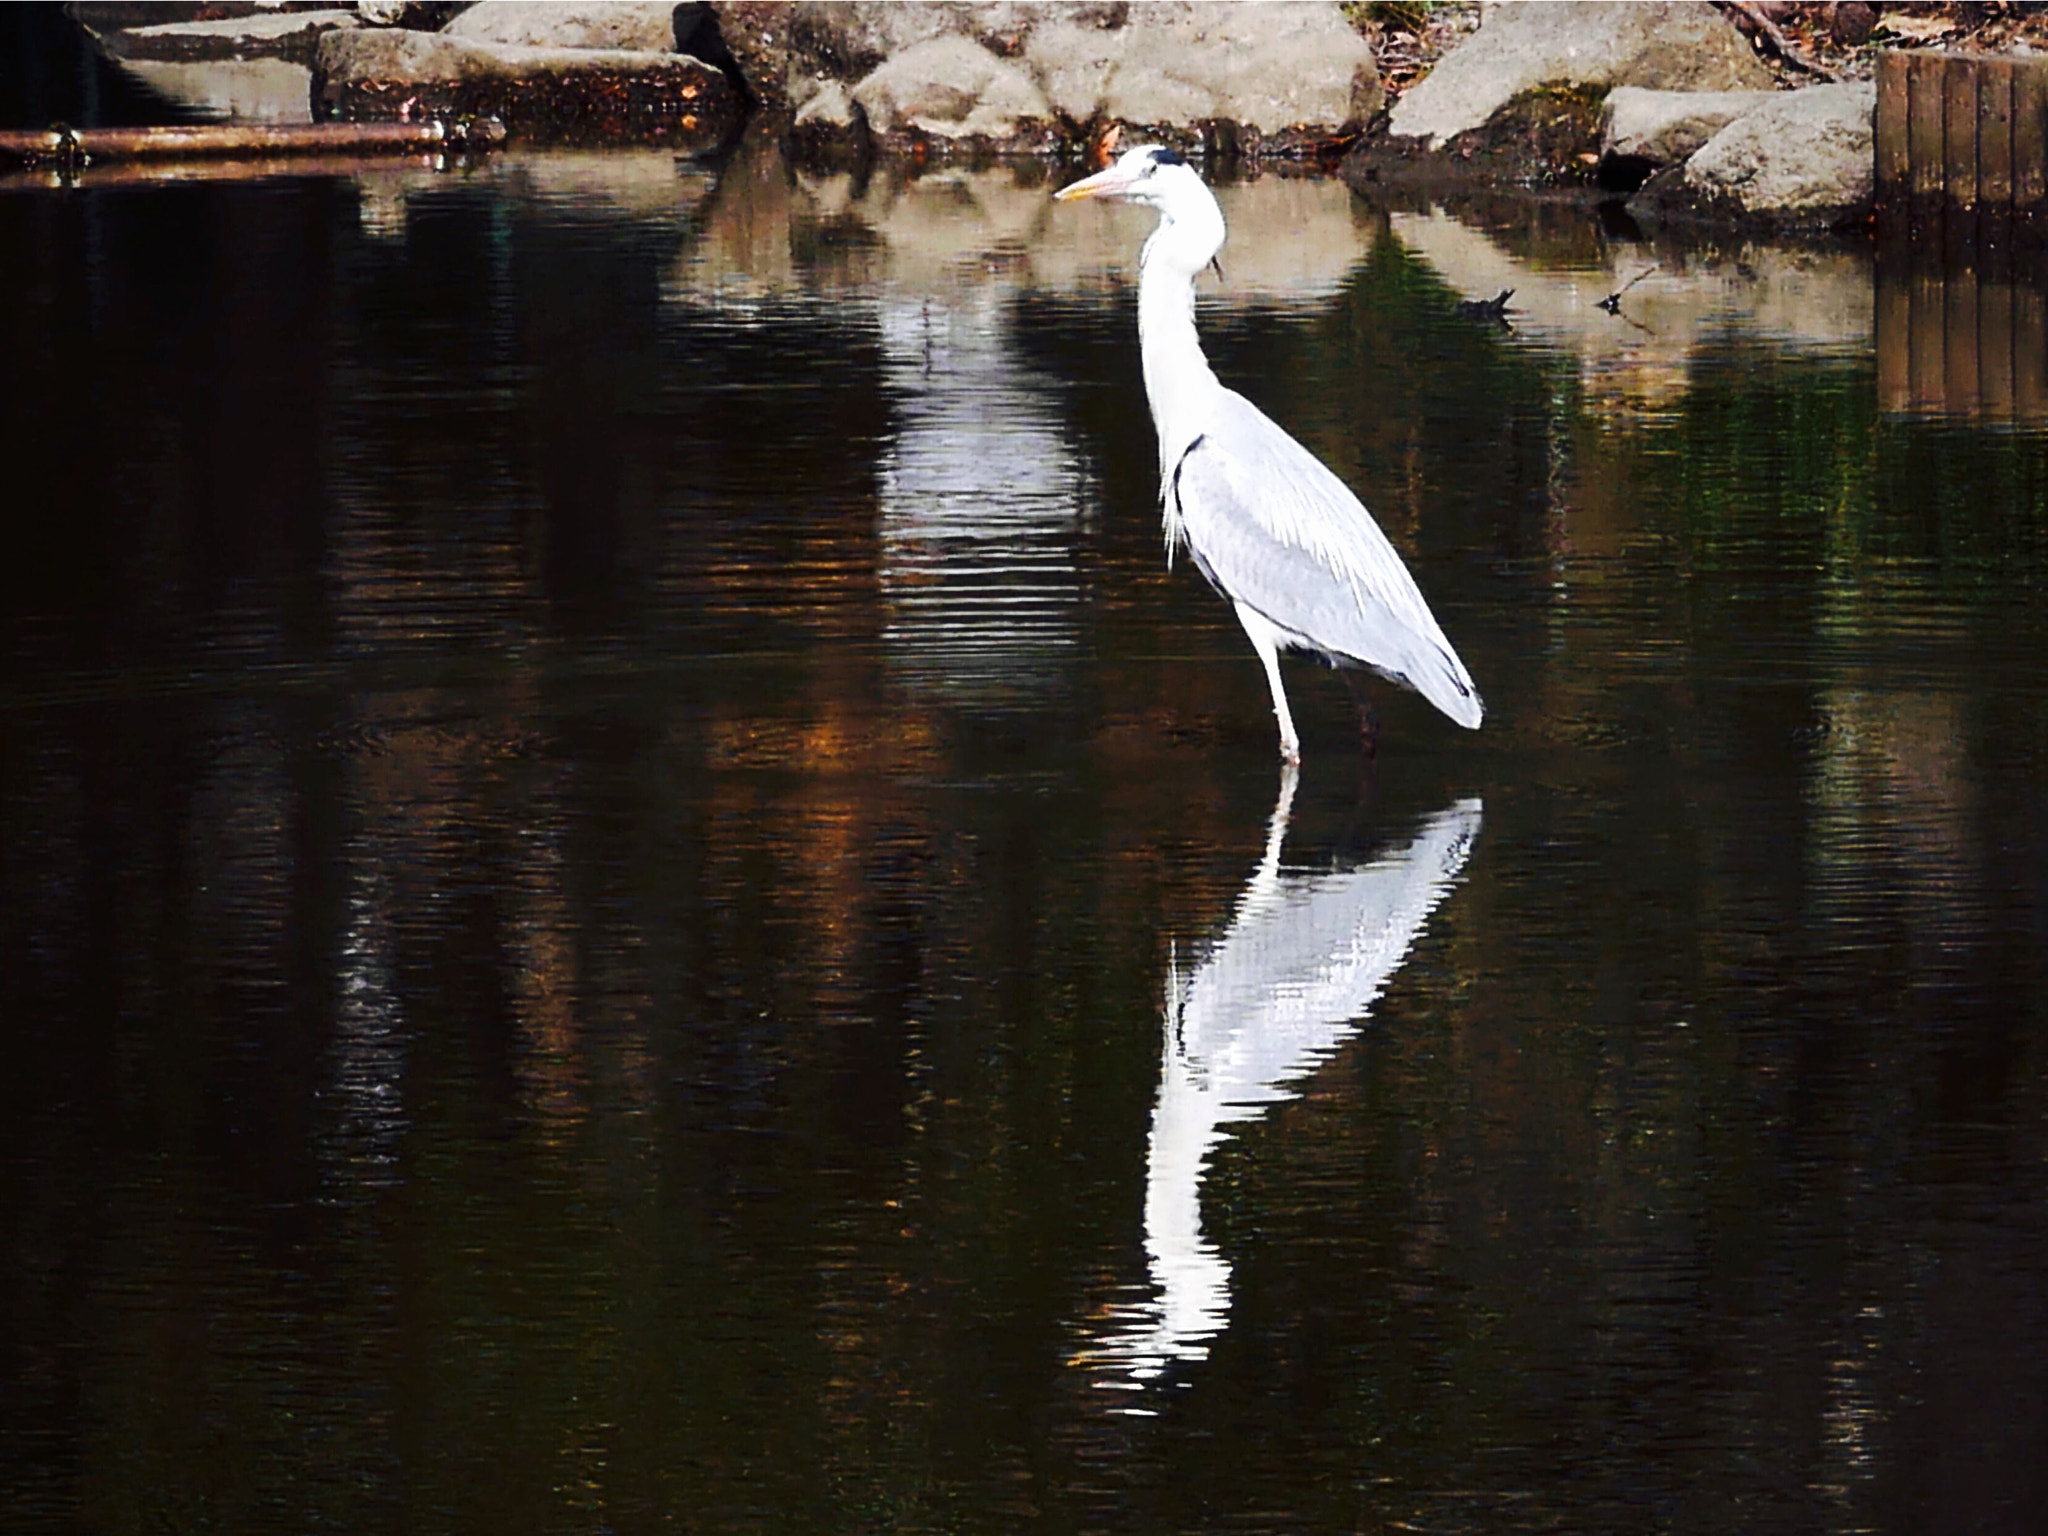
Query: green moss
{"x": 1550, "y": 133}
{"x": 1402, "y": 15}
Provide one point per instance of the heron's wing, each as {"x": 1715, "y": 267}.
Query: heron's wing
{"x": 1276, "y": 531}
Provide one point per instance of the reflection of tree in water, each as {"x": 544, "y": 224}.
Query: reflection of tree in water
{"x": 1304, "y": 958}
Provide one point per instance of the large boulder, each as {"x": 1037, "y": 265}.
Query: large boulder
{"x": 1277, "y": 71}
{"x": 253, "y": 68}
{"x": 640, "y": 28}
{"x": 831, "y": 130}
{"x": 1258, "y": 77}
{"x": 861, "y": 36}
{"x": 601, "y": 94}
{"x": 789, "y": 49}
{"x": 765, "y": 42}
{"x": 420, "y": 15}
{"x": 1803, "y": 157}
{"x": 1659, "y": 128}
{"x": 954, "y": 89}
{"x": 1534, "y": 45}
{"x": 271, "y": 35}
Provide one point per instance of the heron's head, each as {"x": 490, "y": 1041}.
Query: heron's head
{"x": 1149, "y": 174}
{"x": 1190, "y": 223}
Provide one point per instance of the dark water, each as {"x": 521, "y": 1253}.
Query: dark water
{"x": 633, "y": 902}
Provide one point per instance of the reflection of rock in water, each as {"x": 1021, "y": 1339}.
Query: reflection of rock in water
{"x": 981, "y": 497}
{"x": 232, "y": 90}
{"x": 1640, "y": 355}
{"x": 1304, "y": 959}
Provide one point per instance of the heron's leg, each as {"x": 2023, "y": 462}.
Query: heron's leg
{"x": 1368, "y": 719}
{"x": 1265, "y": 640}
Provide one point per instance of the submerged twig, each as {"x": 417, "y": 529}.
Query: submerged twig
{"x": 1612, "y": 303}
{"x": 1493, "y": 311}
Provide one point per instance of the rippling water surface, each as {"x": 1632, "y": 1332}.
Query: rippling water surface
{"x": 631, "y": 900}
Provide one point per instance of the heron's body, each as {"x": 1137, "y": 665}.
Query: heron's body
{"x": 1273, "y": 530}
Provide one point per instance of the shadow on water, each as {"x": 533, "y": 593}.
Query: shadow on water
{"x": 51, "y": 73}
{"x": 603, "y": 767}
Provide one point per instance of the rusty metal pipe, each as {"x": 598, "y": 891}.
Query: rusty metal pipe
{"x": 73, "y": 146}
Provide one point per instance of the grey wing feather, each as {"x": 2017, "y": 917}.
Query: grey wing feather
{"x": 1278, "y": 532}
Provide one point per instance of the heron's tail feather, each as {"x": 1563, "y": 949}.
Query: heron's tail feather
{"x": 1442, "y": 679}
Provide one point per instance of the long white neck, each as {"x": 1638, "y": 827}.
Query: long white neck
{"x": 1178, "y": 379}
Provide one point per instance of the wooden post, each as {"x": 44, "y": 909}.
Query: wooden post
{"x": 1994, "y": 136}
{"x": 1959, "y": 132}
{"x": 1961, "y": 156}
{"x": 1962, "y": 131}
{"x": 2030, "y": 136}
{"x": 1894, "y": 115}
{"x": 1924, "y": 124}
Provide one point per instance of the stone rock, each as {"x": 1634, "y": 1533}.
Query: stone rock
{"x": 833, "y": 107}
{"x": 231, "y": 90}
{"x": 861, "y": 36}
{"x": 1664, "y": 45}
{"x": 384, "y": 74}
{"x": 830, "y": 129}
{"x": 642, "y": 28}
{"x": 1802, "y": 157}
{"x": 1852, "y": 23}
{"x": 420, "y": 15}
{"x": 1664, "y": 127}
{"x": 955, "y": 89}
{"x": 761, "y": 36}
{"x": 1074, "y": 66}
{"x": 787, "y": 51}
{"x": 1265, "y": 76}
{"x": 276, "y": 35}
{"x": 1270, "y": 69}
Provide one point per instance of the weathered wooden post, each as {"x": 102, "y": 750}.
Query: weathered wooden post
{"x": 1959, "y": 131}
{"x": 1961, "y": 162}
{"x": 1994, "y": 134}
{"x": 1894, "y": 117}
{"x": 1962, "y": 131}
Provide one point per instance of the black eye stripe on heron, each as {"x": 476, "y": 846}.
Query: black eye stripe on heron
{"x": 1284, "y": 539}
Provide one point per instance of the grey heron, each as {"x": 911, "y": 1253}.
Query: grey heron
{"x": 1273, "y": 530}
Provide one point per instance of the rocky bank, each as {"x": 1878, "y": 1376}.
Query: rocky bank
{"x": 1665, "y": 102}
{"x": 1668, "y": 100}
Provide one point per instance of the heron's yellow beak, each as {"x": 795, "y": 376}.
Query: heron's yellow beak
{"x": 1102, "y": 184}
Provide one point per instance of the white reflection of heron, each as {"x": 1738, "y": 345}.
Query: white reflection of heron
{"x": 1274, "y": 531}
{"x": 1304, "y": 959}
